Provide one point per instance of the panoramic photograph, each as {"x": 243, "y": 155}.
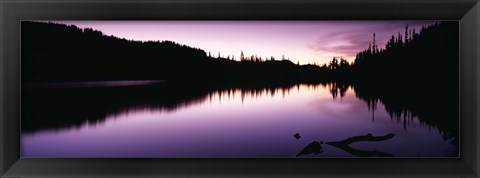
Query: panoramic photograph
{"x": 240, "y": 89}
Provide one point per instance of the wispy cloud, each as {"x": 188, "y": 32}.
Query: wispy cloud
{"x": 348, "y": 42}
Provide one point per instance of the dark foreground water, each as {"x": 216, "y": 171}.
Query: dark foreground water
{"x": 159, "y": 120}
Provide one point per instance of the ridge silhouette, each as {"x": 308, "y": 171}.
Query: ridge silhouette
{"x": 56, "y": 52}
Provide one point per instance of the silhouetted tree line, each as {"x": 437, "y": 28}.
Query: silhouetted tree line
{"x": 415, "y": 75}
{"x": 57, "y": 52}
{"x": 429, "y": 54}
{"x": 54, "y": 52}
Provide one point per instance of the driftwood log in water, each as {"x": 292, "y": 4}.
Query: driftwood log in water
{"x": 344, "y": 145}
{"x": 368, "y": 137}
{"x": 312, "y": 148}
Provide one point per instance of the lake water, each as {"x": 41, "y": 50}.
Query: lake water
{"x": 188, "y": 122}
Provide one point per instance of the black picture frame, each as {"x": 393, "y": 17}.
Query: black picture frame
{"x": 13, "y": 11}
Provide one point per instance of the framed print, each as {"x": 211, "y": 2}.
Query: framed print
{"x": 239, "y": 88}
{"x": 144, "y": 97}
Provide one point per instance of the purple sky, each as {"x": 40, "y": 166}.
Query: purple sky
{"x": 302, "y": 41}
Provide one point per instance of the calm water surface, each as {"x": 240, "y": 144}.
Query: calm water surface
{"x": 222, "y": 123}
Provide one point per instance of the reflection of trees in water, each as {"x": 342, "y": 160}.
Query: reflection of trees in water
{"x": 72, "y": 107}
{"x": 63, "y": 108}
{"x": 338, "y": 89}
{"x": 433, "y": 107}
